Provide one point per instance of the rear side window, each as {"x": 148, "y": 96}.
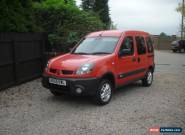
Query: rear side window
{"x": 149, "y": 45}
{"x": 140, "y": 42}
{"x": 127, "y": 46}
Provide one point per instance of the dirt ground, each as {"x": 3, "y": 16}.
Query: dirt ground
{"x": 30, "y": 109}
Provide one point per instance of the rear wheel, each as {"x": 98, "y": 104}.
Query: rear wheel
{"x": 55, "y": 93}
{"x": 174, "y": 50}
{"x": 147, "y": 81}
{"x": 180, "y": 50}
{"x": 104, "y": 92}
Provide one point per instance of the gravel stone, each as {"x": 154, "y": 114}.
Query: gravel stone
{"x": 30, "y": 109}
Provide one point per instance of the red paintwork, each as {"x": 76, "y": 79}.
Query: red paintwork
{"x": 105, "y": 63}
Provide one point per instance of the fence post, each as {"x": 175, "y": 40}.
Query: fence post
{"x": 43, "y": 42}
{"x": 14, "y": 61}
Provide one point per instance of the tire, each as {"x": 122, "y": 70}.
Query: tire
{"x": 147, "y": 81}
{"x": 180, "y": 50}
{"x": 104, "y": 92}
{"x": 55, "y": 93}
{"x": 174, "y": 50}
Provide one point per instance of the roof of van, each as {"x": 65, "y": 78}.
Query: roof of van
{"x": 115, "y": 33}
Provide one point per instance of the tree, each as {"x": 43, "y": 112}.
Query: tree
{"x": 113, "y": 26}
{"x": 88, "y": 5}
{"x": 16, "y": 16}
{"x": 65, "y": 23}
{"x": 102, "y": 9}
{"x": 181, "y": 9}
{"x": 37, "y": 0}
{"x": 163, "y": 35}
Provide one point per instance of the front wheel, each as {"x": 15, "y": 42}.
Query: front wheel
{"x": 104, "y": 92}
{"x": 180, "y": 50}
{"x": 147, "y": 81}
{"x": 174, "y": 50}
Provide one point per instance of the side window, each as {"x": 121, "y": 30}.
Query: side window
{"x": 149, "y": 45}
{"x": 127, "y": 47}
{"x": 140, "y": 42}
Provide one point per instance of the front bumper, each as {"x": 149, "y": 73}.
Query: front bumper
{"x": 174, "y": 47}
{"x": 88, "y": 86}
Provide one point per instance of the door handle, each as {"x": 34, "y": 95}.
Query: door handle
{"x": 138, "y": 59}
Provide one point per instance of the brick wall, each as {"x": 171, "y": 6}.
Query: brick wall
{"x": 163, "y": 43}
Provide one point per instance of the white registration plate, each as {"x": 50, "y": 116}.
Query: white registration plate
{"x": 57, "y": 82}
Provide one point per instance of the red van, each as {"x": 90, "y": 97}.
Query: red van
{"x": 100, "y": 63}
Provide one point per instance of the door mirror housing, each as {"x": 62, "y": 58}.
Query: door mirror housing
{"x": 124, "y": 52}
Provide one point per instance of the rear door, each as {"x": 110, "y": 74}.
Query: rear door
{"x": 150, "y": 50}
{"x": 141, "y": 56}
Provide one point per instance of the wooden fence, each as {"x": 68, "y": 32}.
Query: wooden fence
{"x": 163, "y": 43}
{"x": 21, "y": 57}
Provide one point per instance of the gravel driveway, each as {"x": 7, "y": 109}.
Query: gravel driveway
{"x": 30, "y": 109}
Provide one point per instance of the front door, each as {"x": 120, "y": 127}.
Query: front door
{"x": 127, "y": 61}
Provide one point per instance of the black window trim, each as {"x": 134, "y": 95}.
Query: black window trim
{"x": 133, "y": 45}
{"x": 141, "y": 36}
{"x": 146, "y": 40}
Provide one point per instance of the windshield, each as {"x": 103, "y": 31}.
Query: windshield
{"x": 97, "y": 45}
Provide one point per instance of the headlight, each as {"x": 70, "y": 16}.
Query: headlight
{"x": 85, "y": 69}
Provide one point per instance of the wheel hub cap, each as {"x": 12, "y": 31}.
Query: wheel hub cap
{"x": 149, "y": 78}
{"x": 105, "y": 92}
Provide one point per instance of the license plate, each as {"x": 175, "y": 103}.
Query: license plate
{"x": 57, "y": 82}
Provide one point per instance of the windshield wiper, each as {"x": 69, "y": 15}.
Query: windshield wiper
{"x": 81, "y": 53}
{"x": 100, "y": 53}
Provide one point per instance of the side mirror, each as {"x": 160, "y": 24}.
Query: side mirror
{"x": 124, "y": 52}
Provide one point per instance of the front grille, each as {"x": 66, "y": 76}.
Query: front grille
{"x": 64, "y": 72}
{"x": 67, "y": 72}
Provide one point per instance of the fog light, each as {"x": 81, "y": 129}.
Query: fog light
{"x": 79, "y": 90}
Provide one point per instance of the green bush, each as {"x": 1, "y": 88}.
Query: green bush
{"x": 17, "y": 16}
{"x": 65, "y": 22}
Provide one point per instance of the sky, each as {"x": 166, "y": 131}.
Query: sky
{"x": 153, "y": 16}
